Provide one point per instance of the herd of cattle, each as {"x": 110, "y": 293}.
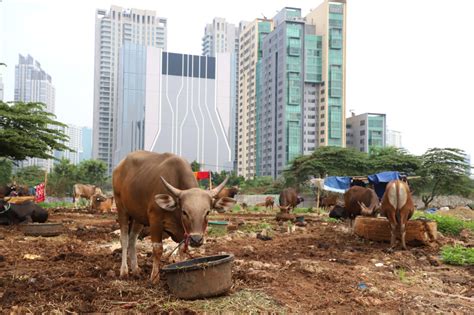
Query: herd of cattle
{"x": 161, "y": 191}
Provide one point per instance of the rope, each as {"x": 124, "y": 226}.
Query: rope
{"x": 6, "y": 207}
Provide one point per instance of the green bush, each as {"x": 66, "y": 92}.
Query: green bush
{"x": 56, "y": 204}
{"x": 303, "y": 210}
{"x": 446, "y": 224}
{"x": 458, "y": 255}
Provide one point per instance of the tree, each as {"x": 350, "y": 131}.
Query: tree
{"x": 30, "y": 176}
{"x": 195, "y": 166}
{"x": 326, "y": 161}
{"x": 62, "y": 178}
{"x": 234, "y": 180}
{"x": 5, "y": 171}
{"x": 443, "y": 171}
{"x": 27, "y": 130}
{"x": 393, "y": 159}
{"x": 92, "y": 172}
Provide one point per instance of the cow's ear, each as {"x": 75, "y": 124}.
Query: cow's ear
{"x": 165, "y": 202}
{"x": 224, "y": 204}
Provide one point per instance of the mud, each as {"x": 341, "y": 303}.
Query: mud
{"x": 321, "y": 267}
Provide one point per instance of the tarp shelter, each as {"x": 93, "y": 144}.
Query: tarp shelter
{"x": 381, "y": 180}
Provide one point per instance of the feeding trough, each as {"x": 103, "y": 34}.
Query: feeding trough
{"x": 200, "y": 277}
{"x": 42, "y": 229}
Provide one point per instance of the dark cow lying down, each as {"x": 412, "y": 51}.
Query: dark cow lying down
{"x": 21, "y": 213}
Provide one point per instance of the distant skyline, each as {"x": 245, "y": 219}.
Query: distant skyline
{"x": 409, "y": 59}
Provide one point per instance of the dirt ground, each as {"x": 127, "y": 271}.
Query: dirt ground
{"x": 320, "y": 267}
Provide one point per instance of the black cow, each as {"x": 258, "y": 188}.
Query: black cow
{"x": 21, "y": 213}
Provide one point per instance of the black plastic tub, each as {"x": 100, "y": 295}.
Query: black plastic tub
{"x": 200, "y": 277}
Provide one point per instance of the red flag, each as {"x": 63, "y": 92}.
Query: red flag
{"x": 40, "y": 195}
{"x": 201, "y": 175}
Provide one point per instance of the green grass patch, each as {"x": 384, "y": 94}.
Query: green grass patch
{"x": 248, "y": 228}
{"x": 401, "y": 274}
{"x": 332, "y": 220}
{"x": 303, "y": 210}
{"x": 217, "y": 231}
{"x": 458, "y": 255}
{"x": 446, "y": 224}
{"x": 56, "y": 204}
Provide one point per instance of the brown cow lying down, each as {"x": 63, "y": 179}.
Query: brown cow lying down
{"x": 160, "y": 190}
{"x": 102, "y": 203}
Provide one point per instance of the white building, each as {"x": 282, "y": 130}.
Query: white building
{"x": 175, "y": 103}
{"x": 394, "y": 138}
{"x": 33, "y": 84}
{"x": 75, "y": 143}
{"x": 112, "y": 29}
{"x": 1, "y": 88}
{"x": 221, "y": 37}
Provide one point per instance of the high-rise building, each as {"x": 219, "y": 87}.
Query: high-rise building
{"x": 330, "y": 21}
{"x": 33, "y": 84}
{"x": 366, "y": 131}
{"x": 175, "y": 103}
{"x": 112, "y": 30}
{"x": 74, "y": 143}
{"x": 290, "y": 76}
{"x": 394, "y": 138}
{"x": 223, "y": 37}
{"x": 250, "y": 55}
{"x": 86, "y": 153}
{"x": 1, "y": 88}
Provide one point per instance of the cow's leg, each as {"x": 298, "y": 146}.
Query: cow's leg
{"x": 393, "y": 228}
{"x": 156, "y": 232}
{"x": 132, "y": 250}
{"x": 404, "y": 218}
{"x": 123, "y": 221}
{"x": 76, "y": 201}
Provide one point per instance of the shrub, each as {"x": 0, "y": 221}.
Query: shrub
{"x": 446, "y": 224}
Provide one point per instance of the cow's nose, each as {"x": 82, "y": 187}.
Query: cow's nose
{"x": 196, "y": 240}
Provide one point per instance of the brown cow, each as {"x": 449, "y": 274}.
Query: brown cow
{"x": 84, "y": 191}
{"x": 328, "y": 201}
{"x": 360, "y": 201}
{"x": 102, "y": 203}
{"x": 289, "y": 199}
{"x": 398, "y": 207}
{"x": 160, "y": 190}
{"x": 228, "y": 192}
{"x": 269, "y": 202}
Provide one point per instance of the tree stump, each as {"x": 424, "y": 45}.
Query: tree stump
{"x": 378, "y": 229}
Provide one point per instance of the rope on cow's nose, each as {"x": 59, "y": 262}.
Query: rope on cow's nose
{"x": 175, "y": 249}
{"x": 6, "y": 207}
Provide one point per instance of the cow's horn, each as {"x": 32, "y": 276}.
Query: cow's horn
{"x": 175, "y": 191}
{"x": 363, "y": 208}
{"x": 218, "y": 189}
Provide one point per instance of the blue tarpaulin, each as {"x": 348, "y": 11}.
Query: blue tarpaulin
{"x": 381, "y": 180}
{"x": 337, "y": 184}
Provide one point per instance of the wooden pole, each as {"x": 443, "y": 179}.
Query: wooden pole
{"x": 210, "y": 181}
{"x": 317, "y": 198}
{"x": 45, "y": 183}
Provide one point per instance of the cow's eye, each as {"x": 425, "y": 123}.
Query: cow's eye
{"x": 207, "y": 212}
{"x": 185, "y": 213}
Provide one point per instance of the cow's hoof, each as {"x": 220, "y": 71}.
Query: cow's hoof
{"x": 155, "y": 278}
{"x": 136, "y": 271}
{"x": 123, "y": 272}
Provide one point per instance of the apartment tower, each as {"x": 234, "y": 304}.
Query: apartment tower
{"x": 330, "y": 21}
{"x": 250, "y": 55}
{"x": 290, "y": 79}
{"x": 366, "y": 131}
{"x": 112, "y": 29}
{"x": 33, "y": 84}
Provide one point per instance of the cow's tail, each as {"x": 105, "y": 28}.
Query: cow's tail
{"x": 398, "y": 205}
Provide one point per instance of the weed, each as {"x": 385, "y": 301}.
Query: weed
{"x": 56, "y": 204}
{"x": 216, "y": 232}
{"x": 303, "y": 210}
{"x": 248, "y": 228}
{"x": 332, "y": 220}
{"x": 446, "y": 224}
{"x": 458, "y": 255}
{"x": 401, "y": 274}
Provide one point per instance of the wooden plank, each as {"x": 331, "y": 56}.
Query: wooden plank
{"x": 378, "y": 229}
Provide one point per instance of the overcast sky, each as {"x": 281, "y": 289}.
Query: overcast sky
{"x": 413, "y": 60}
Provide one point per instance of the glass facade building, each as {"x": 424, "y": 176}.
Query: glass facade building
{"x": 366, "y": 131}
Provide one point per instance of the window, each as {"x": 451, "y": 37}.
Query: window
{"x": 362, "y": 132}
